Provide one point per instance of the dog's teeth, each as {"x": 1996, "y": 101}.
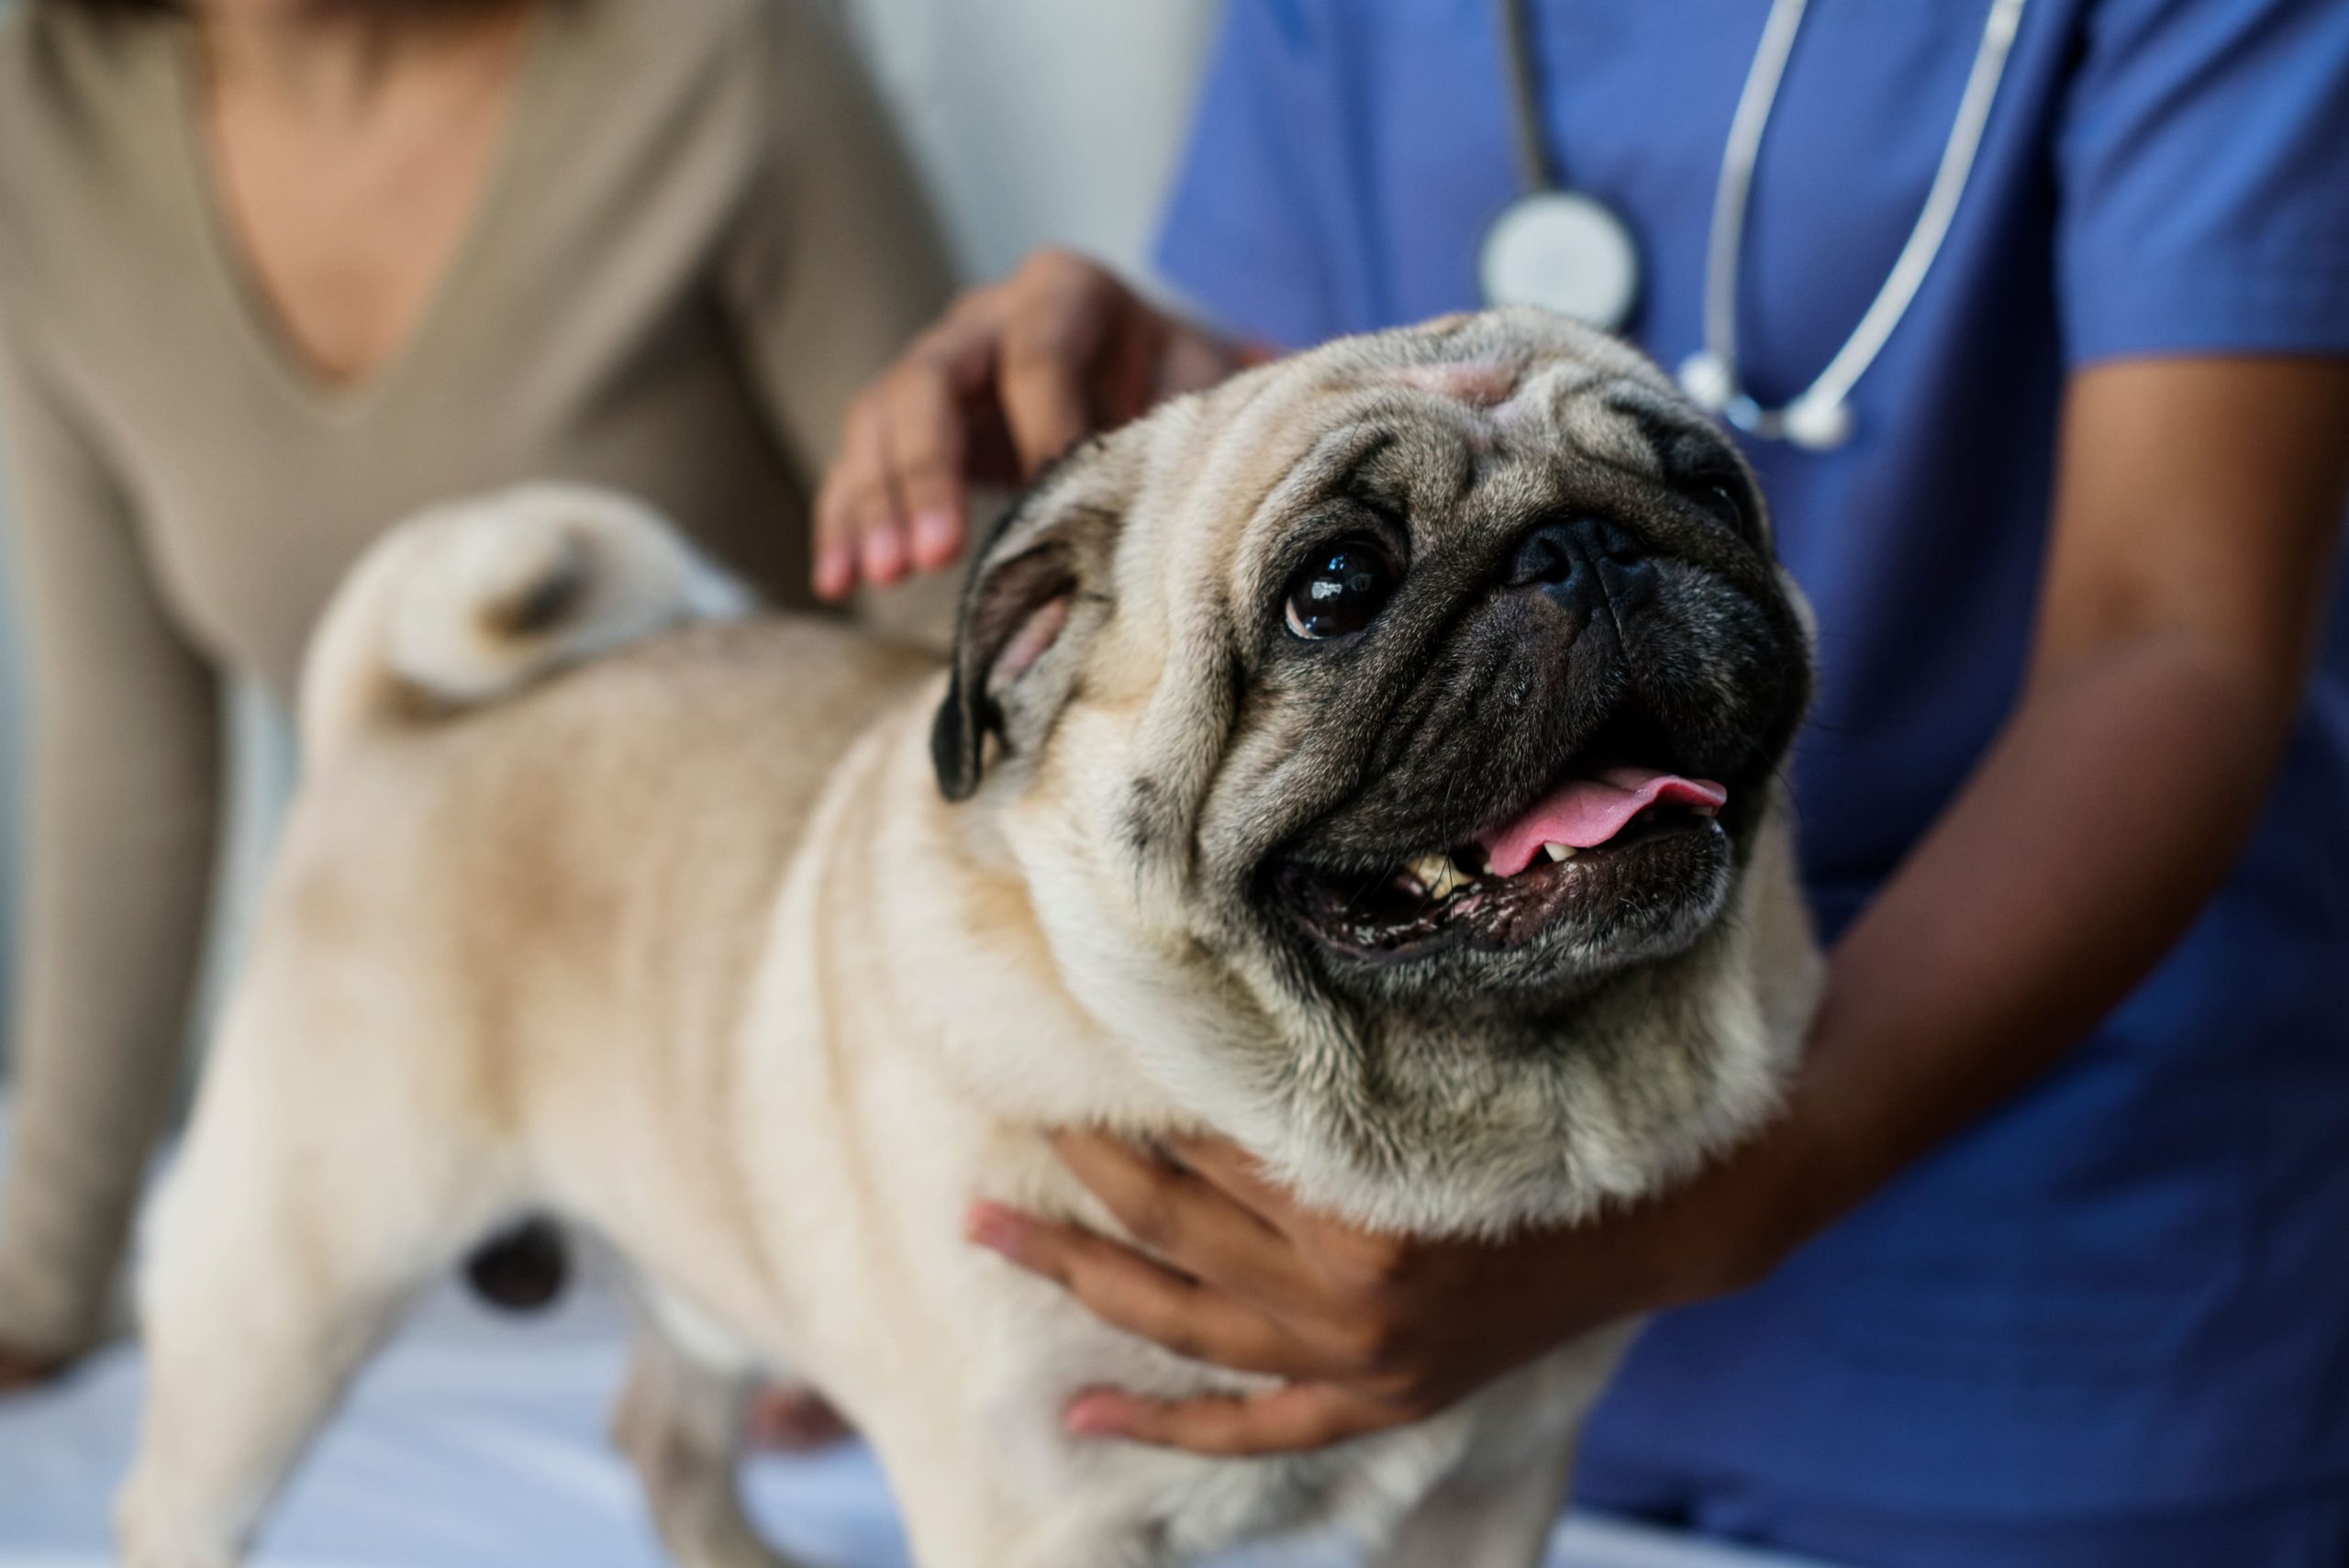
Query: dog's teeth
{"x": 1559, "y": 852}
{"x": 1707, "y": 810}
{"x": 1437, "y": 875}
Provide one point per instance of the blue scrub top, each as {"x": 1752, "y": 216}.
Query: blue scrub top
{"x": 2132, "y": 1286}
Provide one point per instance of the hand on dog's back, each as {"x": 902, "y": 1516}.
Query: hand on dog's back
{"x": 1014, "y": 374}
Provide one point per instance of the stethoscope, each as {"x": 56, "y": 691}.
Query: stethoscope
{"x": 1566, "y": 249}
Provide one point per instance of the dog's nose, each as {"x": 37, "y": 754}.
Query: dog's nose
{"x": 1583, "y": 562}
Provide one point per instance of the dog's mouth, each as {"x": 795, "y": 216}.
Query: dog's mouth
{"x": 1610, "y": 848}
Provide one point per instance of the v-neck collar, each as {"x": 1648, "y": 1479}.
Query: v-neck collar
{"x": 257, "y": 320}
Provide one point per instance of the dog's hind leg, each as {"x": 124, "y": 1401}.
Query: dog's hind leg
{"x": 680, "y": 1423}
{"x": 321, "y": 1184}
{"x": 268, "y": 1282}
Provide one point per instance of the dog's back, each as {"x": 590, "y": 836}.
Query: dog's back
{"x": 550, "y": 744}
{"x": 559, "y": 770}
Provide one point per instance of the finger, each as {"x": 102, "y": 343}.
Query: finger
{"x": 1233, "y": 1171}
{"x": 1360, "y": 1265}
{"x": 1046, "y": 360}
{"x": 865, "y": 540}
{"x": 1128, "y": 1291}
{"x": 881, "y": 552}
{"x": 927, "y": 450}
{"x": 846, "y": 493}
{"x": 1295, "y": 1418}
{"x": 966, "y": 350}
{"x": 1185, "y": 1221}
{"x": 835, "y": 572}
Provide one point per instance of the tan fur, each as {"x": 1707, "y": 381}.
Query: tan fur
{"x": 685, "y": 945}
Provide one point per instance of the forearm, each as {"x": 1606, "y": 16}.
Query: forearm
{"x": 123, "y": 795}
{"x": 2197, "y": 526}
{"x": 2107, "y": 813}
{"x": 113, "y": 925}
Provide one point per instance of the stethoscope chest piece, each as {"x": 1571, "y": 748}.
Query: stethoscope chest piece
{"x": 1564, "y": 251}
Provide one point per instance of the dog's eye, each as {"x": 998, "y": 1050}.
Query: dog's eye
{"x": 1722, "y": 498}
{"x": 1339, "y": 591}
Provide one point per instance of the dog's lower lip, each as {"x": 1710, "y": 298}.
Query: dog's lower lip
{"x": 1369, "y": 917}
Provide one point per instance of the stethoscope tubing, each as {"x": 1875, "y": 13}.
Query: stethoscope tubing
{"x": 1819, "y": 416}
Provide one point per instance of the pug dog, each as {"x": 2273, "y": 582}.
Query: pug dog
{"x": 1374, "y": 761}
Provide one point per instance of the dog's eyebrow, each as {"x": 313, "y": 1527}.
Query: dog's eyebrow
{"x": 1607, "y": 431}
{"x": 1663, "y": 422}
{"x": 1355, "y": 480}
{"x": 1377, "y": 490}
{"x": 1354, "y": 477}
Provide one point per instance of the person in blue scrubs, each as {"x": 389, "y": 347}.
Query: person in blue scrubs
{"x": 2048, "y": 1261}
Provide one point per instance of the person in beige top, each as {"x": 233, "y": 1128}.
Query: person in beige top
{"x": 274, "y": 274}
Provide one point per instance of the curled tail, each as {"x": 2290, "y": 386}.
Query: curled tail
{"x": 468, "y": 603}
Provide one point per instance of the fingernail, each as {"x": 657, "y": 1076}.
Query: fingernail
{"x": 996, "y": 1229}
{"x": 835, "y": 569}
{"x": 1095, "y": 1416}
{"x": 885, "y": 554}
{"x": 934, "y": 534}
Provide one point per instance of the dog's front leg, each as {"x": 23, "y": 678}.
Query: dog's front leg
{"x": 681, "y": 1423}
{"x": 1499, "y": 1506}
{"x": 1107, "y": 1548}
{"x": 1486, "y": 1519}
{"x": 957, "y": 1516}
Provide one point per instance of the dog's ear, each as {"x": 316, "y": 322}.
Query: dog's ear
{"x": 1038, "y": 588}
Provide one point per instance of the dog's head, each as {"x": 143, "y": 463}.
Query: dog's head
{"x": 1391, "y": 740}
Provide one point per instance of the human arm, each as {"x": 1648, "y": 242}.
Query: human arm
{"x": 118, "y": 833}
{"x": 2195, "y": 519}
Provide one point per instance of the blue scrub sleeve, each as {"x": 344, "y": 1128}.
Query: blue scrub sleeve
{"x": 2203, "y": 169}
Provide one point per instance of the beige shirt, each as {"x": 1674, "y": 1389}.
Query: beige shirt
{"x": 698, "y": 241}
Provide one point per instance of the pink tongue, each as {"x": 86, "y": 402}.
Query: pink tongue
{"x": 1585, "y": 813}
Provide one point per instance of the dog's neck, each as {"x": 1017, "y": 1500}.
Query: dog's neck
{"x": 1043, "y": 1012}
{"x": 968, "y": 974}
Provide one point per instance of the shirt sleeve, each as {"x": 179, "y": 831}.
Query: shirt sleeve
{"x": 838, "y": 263}
{"x": 2203, "y": 161}
{"x": 1242, "y": 238}
{"x": 118, "y": 833}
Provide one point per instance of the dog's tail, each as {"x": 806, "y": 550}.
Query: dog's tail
{"x": 471, "y": 602}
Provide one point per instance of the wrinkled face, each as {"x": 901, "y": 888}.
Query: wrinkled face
{"x": 1517, "y": 671}
{"x": 1526, "y": 693}
{"x": 1439, "y": 681}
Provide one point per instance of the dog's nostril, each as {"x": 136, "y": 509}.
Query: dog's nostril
{"x": 1543, "y": 558}
{"x": 1614, "y": 544}
{"x": 1555, "y": 552}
